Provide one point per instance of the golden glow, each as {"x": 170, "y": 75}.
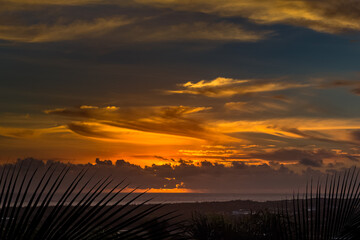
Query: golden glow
{"x": 28, "y": 133}
{"x": 159, "y": 190}
{"x": 170, "y": 190}
{"x": 227, "y": 87}
{"x": 210, "y": 153}
{"x": 218, "y": 82}
{"x": 279, "y": 127}
{"x": 110, "y": 133}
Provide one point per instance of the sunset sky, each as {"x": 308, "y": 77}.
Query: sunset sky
{"x": 263, "y": 86}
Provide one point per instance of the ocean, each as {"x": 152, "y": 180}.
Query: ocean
{"x": 160, "y": 198}
{"x": 209, "y": 197}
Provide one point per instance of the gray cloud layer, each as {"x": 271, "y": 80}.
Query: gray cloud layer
{"x": 206, "y": 176}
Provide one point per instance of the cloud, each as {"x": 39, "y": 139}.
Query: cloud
{"x": 227, "y": 87}
{"x": 195, "y": 31}
{"x": 103, "y": 162}
{"x": 55, "y": 2}
{"x": 311, "y": 162}
{"x": 52, "y": 33}
{"x": 356, "y": 91}
{"x": 332, "y": 16}
{"x": 203, "y": 177}
{"x": 353, "y": 158}
{"x": 356, "y": 135}
{"x": 238, "y": 177}
{"x": 80, "y": 20}
{"x": 106, "y": 132}
{"x": 331, "y": 136}
{"x": 28, "y": 133}
{"x": 353, "y": 85}
{"x": 322, "y": 129}
{"x": 114, "y": 29}
{"x": 254, "y": 107}
{"x": 218, "y": 82}
{"x": 294, "y": 155}
{"x": 139, "y": 124}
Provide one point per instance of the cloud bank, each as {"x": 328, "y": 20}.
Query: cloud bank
{"x": 202, "y": 177}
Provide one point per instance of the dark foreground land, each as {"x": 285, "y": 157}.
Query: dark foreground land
{"x": 237, "y": 207}
{"x": 230, "y": 220}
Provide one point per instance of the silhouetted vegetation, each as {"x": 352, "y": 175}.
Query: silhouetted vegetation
{"x": 257, "y": 226}
{"x": 328, "y": 211}
{"x": 85, "y": 210}
{"x": 324, "y": 212}
{"x": 94, "y": 209}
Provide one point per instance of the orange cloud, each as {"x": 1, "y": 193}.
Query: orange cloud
{"x": 28, "y": 133}
{"x": 117, "y": 134}
{"x": 328, "y": 130}
{"x": 173, "y": 120}
{"x": 227, "y": 87}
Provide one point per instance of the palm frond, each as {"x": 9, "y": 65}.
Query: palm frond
{"x": 328, "y": 211}
{"x": 86, "y": 209}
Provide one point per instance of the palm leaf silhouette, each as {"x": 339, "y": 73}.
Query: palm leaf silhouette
{"x": 328, "y": 211}
{"x": 86, "y": 209}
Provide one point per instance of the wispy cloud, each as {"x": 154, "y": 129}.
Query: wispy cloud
{"x": 59, "y": 32}
{"x": 261, "y": 107}
{"x": 105, "y": 132}
{"x": 30, "y": 133}
{"x": 57, "y": 2}
{"x": 353, "y": 85}
{"x": 326, "y": 130}
{"x": 172, "y": 120}
{"x": 195, "y": 31}
{"x": 294, "y": 155}
{"x": 332, "y": 16}
{"x": 140, "y": 31}
{"x": 227, "y": 87}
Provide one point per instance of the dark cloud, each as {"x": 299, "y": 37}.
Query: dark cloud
{"x": 356, "y": 91}
{"x": 353, "y": 158}
{"x": 342, "y": 83}
{"x": 88, "y": 130}
{"x": 292, "y": 155}
{"x": 356, "y": 135}
{"x": 123, "y": 163}
{"x": 353, "y": 85}
{"x": 118, "y": 24}
{"x": 161, "y": 158}
{"x": 318, "y": 136}
{"x": 103, "y": 162}
{"x": 206, "y": 176}
{"x": 311, "y": 162}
